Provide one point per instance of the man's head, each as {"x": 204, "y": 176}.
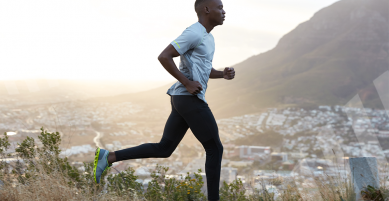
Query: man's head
{"x": 210, "y": 10}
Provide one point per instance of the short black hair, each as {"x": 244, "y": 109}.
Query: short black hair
{"x": 199, "y": 2}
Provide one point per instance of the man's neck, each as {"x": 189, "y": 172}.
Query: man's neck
{"x": 207, "y": 25}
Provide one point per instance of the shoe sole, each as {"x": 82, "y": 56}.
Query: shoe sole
{"x": 97, "y": 153}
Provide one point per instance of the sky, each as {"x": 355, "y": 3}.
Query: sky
{"x": 121, "y": 39}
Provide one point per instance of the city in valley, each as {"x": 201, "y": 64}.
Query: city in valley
{"x": 274, "y": 144}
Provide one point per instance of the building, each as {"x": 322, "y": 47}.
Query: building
{"x": 228, "y": 174}
{"x": 383, "y": 134}
{"x": 279, "y": 156}
{"x": 253, "y": 152}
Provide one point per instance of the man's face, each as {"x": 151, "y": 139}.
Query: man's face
{"x": 216, "y": 12}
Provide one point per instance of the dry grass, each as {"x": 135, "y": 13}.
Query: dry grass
{"x": 48, "y": 177}
{"x": 55, "y": 186}
{"x": 45, "y": 188}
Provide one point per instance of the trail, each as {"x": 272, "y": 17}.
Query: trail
{"x": 96, "y": 140}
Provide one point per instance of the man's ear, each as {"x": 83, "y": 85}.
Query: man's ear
{"x": 206, "y": 9}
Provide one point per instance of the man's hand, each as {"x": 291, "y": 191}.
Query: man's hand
{"x": 194, "y": 87}
{"x": 229, "y": 73}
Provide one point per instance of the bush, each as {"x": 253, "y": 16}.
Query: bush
{"x": 371, "y": 193}
{"x": 41, "y": 168}
{"x": 40, "y": 174}
{"x": 124, "y": 184}
{"x": 161, "y": 188}
{"x": 233, "y": 191}
{"x": 35, "y": 164}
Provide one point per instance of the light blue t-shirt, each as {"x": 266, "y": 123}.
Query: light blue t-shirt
{"x": 196, "y": 48}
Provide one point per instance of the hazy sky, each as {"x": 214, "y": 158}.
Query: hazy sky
{"x": 121, "y": 39}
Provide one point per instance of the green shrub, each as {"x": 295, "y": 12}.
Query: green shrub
{"x": 124, "y": 184}
{"x": 4, "y": 145}
{"x": 162, "y": 188}
{"x": 233, "y": 191}
{"x": 44, "y": 168}
{"x": 371, "y": 193}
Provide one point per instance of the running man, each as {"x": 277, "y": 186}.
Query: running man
{"x": 196, "y": 48}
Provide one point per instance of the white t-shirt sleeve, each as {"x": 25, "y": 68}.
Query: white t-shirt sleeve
{"x": 186, "y": 41}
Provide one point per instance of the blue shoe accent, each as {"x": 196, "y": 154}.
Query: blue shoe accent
{"x": 100, "y": 164}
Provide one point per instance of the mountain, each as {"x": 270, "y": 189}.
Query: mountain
{"x": 324, "y": 61}
{"x": 38, "y": 91}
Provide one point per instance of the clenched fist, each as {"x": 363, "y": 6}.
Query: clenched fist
{"x": 229, "y": 73}
{"x": 194, "y": 87}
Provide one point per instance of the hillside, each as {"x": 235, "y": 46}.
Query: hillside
{"x": 326, "y": 60}
{"x": 40, "y": 91}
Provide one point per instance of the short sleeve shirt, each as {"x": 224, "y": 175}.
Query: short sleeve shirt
{"x": 196, "y": 48}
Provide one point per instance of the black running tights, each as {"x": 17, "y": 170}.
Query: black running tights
{"x": 187, "y": 112}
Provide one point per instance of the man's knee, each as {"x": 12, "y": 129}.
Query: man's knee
{"x": 221, "y": 148}
{"x": 212, "y": 146}
{"x": 166, "y": 154}
{"x": 166, "y": 148}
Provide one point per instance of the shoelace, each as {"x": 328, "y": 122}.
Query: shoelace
{"x": 118, "y": 172}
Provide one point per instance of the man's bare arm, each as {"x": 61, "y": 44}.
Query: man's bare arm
{"x": 216, "y": 74}
{"x": 166, "y": 59}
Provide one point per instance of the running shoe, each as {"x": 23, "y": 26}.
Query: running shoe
{"x": 100, "y": 164}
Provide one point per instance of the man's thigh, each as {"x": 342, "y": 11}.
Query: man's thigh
{"x": 198, "y": 117}
{"x": 203, "y": 124}
{"x": 175, "y": 127}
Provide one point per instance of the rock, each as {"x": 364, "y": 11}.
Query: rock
{"x": 364, "y": 171}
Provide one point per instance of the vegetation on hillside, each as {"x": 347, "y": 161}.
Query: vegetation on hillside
{"x": 39, "y": 173}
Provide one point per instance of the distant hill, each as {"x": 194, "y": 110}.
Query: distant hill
{"x": 326, "y": 60}
{"x": 38, "y": 91}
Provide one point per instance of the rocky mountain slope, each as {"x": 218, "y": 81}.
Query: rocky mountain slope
{"x": 326, "y": 60}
